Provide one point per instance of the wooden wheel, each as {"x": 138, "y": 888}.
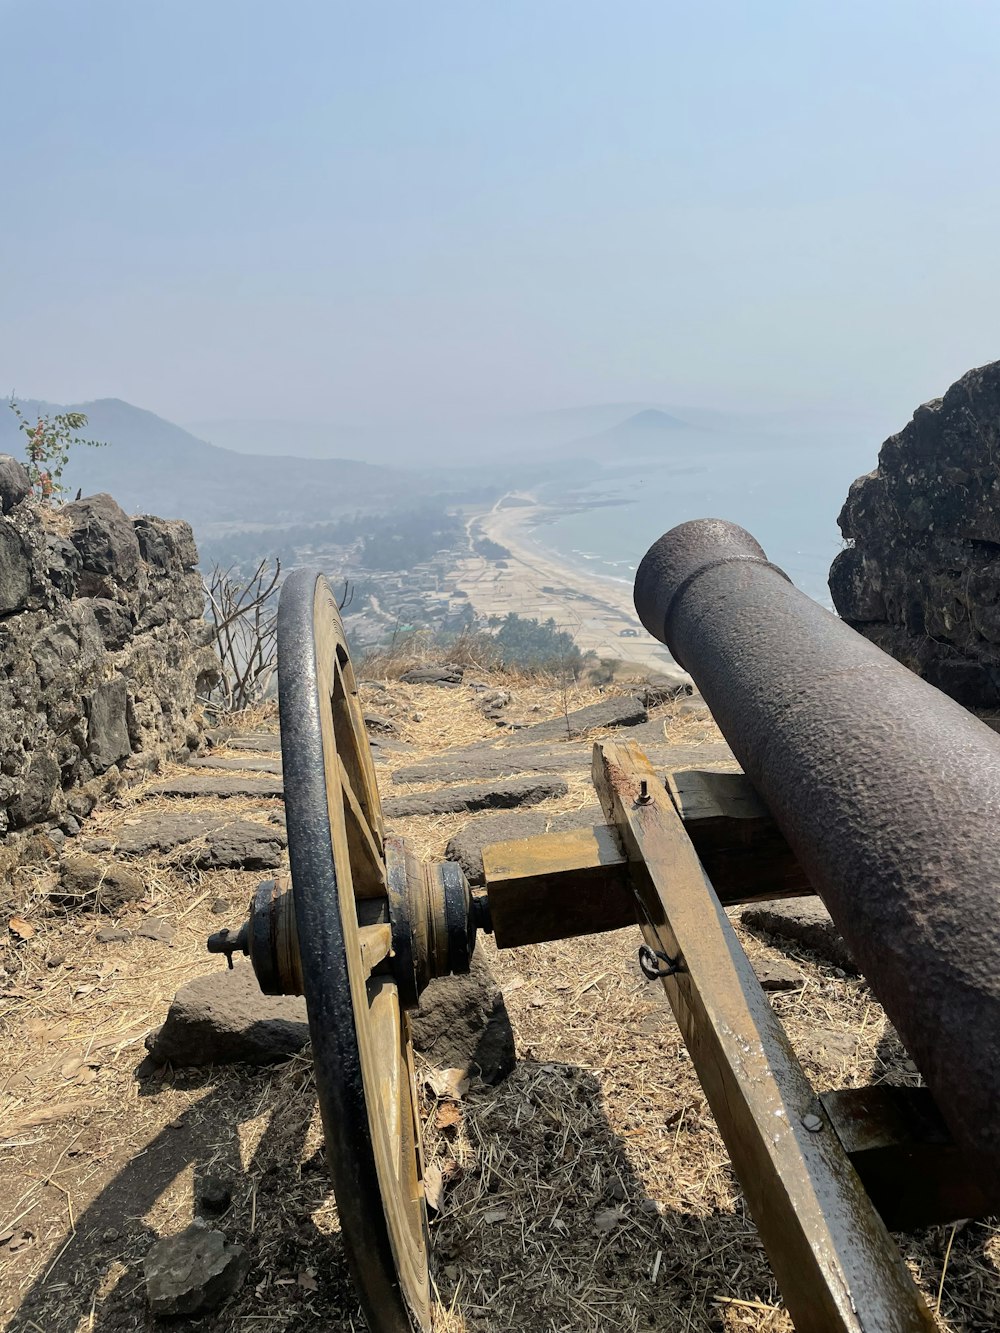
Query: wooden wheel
{"x": 359, "y": 1029}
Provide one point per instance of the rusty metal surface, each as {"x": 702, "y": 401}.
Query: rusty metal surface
{"x": 887, "y": 791}
{"x": 835, "y": 1263}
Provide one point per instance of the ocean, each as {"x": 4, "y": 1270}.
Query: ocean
{"x": 787, "y": 496}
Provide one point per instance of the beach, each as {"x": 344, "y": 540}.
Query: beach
{"x": 537, "y": 584}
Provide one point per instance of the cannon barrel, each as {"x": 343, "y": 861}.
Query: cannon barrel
{"x": 887, "y": 790}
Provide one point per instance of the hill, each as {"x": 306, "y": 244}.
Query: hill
{"x": 154, "y": 466}
{"x": 645, "y": 433}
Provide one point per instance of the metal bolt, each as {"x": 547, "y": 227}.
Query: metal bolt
{"x": 812, "y": 1123}
{"x": 644, "y": 797}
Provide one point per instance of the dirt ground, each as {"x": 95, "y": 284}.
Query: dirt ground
{"x": 589, "y": 1191}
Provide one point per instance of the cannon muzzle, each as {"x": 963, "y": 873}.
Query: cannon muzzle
{"x": 887, "y": 790}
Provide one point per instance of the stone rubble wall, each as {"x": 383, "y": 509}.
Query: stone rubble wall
{"x": 103, "y": 650}
{"x": 921, "y": 576}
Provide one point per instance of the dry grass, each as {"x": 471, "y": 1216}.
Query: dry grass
{"x": 589, "y": 1191}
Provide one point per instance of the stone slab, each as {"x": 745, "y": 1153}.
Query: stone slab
{"x": 226, "y": 764}
{"x": 501, "y": 795}
{"x": 803, "y": 921}
{"x": 259, "y": 741}
{"x": 218, "y": 788}
{"x": 482, "y": 762}
{"x": 622, "y": 711}
{"x": 217, "y": 842}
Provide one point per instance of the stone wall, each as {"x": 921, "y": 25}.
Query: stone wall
{"x": 921, "y": 576}
{"x": 103, "y": 648}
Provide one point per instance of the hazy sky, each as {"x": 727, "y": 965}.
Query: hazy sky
{"x": 373, "y": 212}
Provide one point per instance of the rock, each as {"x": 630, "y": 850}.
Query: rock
{"x": 775, "y": 974}
{"x": 15, "y": 484}
{"x": 617, "y": 712}
{"x": 482, "y": 796}
{"x": 664, "y": 686}
{"x": 160, "y": 833}
{"x": 223, "y": 1018}
{"x": 104, "y": 536}
{"x": 213, "y": 1195}
{"x": 439, "y": 675}
{"x": 218, "y": 788}
{"x": 115, "y": 622}
{"x": 251, "y": 764}
{"x": 112, "y": 935}
{"x": 804, "y": 921}
{"x": 15, "y": 570}
{"x": 38, "y": 786}
{"x": 462, "y": 1023}
{"x": 195, "y": 1271}
{"x": 379, "y": 725}
{"x": 828, "y": 1047}
{"x": 155, "y": 929}
{"x": 86, "y": 882}
{"x": 466, "y": 847}
{"x": 242, "y": 845}
{"x": 921, "y": 575}
{"x": 107, "y": 732}
{"x": 265, "y": 741}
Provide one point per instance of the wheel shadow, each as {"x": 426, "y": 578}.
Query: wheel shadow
{"x": 96, "y": 1281}
{"x": 550, "y": 1218}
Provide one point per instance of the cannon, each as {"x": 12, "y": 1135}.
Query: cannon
{"x": 860, "y": 783}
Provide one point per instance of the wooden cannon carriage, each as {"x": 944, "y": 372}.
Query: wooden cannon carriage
{"x": 361, "y": 928}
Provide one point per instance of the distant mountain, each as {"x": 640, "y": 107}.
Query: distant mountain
{"x": 646, "y": 433}
{"x": 153, "y": 466}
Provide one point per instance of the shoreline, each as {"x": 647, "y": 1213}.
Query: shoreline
{"x": 539, "y": 584}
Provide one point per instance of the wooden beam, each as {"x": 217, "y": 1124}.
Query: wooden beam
{"x": 834, "y": 1260}
{"x": 914, "y": 1172}
{"x": 559, "y": 885}
{"x": 737, "y": 841}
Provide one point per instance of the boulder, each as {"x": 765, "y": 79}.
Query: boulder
{"x": 920, "y": 576}
{"x": 88, "y": 882}
{"x": 193, "y": 1272}
{"x": 15, "y": 484}
{"x": 481, "y": 796}
{"x": 37, "y": 788}
{"x": 224, "y": 1018}
{"x": 433, "y": 675}
{"x": 15, "y": 570}
{"x": 462, "y": 1023}
{"x": 104, "y": 536}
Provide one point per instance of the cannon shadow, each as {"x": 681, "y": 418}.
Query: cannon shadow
{"x": 548, "y": 1218}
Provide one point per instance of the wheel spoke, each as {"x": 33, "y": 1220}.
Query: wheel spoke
{"x": 376, "y": 945}
{"x": 367, "y": 863}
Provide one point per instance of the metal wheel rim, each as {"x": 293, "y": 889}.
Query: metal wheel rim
{"x": 360, "y": 1036}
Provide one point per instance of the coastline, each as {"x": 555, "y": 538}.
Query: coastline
{"x": 539, "y": 584}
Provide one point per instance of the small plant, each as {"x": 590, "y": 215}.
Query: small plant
{"x": 50, "y": 440}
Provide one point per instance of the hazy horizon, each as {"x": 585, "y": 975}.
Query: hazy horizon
{"x": 393, "y": 218}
